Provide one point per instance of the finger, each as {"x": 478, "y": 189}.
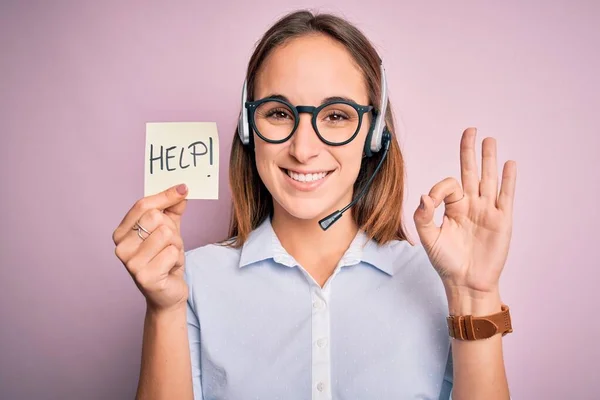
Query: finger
{"x": 427, "y": 230}
{"x": 164, "y": 261}
{"x": 468, "y": 163}
{"x": 448, "y": 190}
{"x": 154, "y": 218}
{"x": 488, "y": 187}
{"x": 161, "y": 238}
{"x": 160, "y": 201}
{"x": 168, "y": 260}
{"x": 150, "y": 221}
{"x": 176, "y": 211}
{"x": 507, "y": 188}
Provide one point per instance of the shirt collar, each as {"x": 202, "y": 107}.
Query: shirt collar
{"x": 263, "y": 244}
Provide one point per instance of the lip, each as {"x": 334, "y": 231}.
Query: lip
{"x": 305, "y": 186}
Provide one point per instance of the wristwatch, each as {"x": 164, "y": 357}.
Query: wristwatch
{"x": 468, "y": 327}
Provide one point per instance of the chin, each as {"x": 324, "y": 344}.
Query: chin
{"x": 308, "y": 209}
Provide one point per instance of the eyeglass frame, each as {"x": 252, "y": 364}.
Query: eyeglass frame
{"x": 297, "y": 110}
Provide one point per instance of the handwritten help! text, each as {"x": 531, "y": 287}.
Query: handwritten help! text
{"x": 182, "y": 152}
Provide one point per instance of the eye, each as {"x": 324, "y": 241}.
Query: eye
{"x": 336, "y": 116}
{"x": 279, "y": 113}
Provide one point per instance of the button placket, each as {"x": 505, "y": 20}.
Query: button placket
{"x": 318, "y": 304}
{"x": 321, "y": 357}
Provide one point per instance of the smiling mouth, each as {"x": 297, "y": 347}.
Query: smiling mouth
{"x": 313, "y": 177}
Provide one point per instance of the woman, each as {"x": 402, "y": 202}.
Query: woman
{"x": 286, "y": 309}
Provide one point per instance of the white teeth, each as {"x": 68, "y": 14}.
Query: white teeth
{"x": 306, "y": 177}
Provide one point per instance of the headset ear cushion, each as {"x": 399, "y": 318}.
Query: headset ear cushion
{"x": 245, "y": 131}
{"x": 367, "y": 147}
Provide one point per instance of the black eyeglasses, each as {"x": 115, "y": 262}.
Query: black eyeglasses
{"x": 336, "y": 122}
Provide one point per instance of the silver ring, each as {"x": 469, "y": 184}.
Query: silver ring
{"x": 139, "y": 228}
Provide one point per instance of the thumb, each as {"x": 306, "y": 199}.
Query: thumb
{"x": 168, "y": 198}
{"x": 426, "y": 228}
{"x": 176, "y": 209}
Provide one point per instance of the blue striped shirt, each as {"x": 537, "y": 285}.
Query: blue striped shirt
{"x": 260, "y": 327}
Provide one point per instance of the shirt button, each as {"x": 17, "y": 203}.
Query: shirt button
{"x": 320, "y": 386}
{"x": 322, "y": 342}
{"x": 318, "y": 304}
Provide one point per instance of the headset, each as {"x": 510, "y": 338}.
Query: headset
{"x": 374, "y": 141}
{"x": 377, "y": 138}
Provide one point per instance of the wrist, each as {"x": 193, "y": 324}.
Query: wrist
{"x": 169, "y": 313}
{"x": 462, "y": 301}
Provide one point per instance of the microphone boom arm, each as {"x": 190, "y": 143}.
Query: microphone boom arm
{"x": 329, "y": 220}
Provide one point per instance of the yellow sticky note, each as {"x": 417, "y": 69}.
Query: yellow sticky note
{"x": 182, "y": 152}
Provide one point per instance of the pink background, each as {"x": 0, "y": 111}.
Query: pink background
{"x": 78, "y": 81}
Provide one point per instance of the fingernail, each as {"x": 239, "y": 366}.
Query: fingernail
{"x": 182, "y": 189}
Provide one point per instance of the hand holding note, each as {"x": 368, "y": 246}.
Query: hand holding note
{"x": 182, "y": 152}
{"x": 182, "y": 162}
{"x": 148, "y": 242}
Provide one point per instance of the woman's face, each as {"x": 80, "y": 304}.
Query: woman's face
{"x": 307, "y": 178}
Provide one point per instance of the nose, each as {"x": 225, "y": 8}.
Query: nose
{"x": 305, "y": 144}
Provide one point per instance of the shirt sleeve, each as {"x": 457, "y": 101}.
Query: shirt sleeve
{"x": 193, "y": 327}
{"x": 447, "y": 383}
{"x": 194, "y": 339}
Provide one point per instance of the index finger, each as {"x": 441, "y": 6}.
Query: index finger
{"x": 160, "y": 201}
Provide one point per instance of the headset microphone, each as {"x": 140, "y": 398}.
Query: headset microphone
{"x": 329, "y": 220}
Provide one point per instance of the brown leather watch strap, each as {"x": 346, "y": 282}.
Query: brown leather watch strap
{"x": 468, "y": 327}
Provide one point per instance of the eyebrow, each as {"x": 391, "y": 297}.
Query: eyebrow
{"x": 325, "y": 100}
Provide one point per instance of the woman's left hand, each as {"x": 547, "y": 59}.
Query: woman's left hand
{"x": 470, "y": 247}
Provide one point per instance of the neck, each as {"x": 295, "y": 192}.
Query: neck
{"x": 318, "y": 251}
